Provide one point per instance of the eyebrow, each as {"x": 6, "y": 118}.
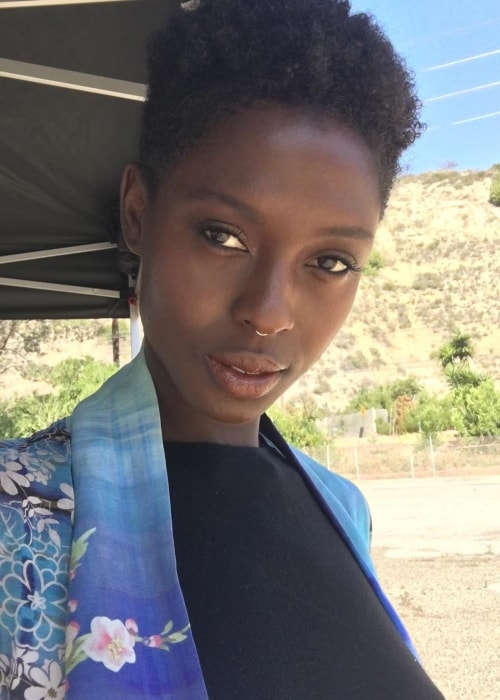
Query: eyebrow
{"x": 252, "y": 214}
{"x": 248, "y": 211}
{"x": 357, "y": 232}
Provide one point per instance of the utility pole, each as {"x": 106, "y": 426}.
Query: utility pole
{"x": 115, "y": 340}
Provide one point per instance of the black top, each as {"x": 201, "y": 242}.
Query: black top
{"x": 279, "y": 608}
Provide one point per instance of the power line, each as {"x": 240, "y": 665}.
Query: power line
{"x": 462, "y": 60}
{"x": 462, "y": 92}
{"x": 438, "y": 127}
{"x": 475, "y": 119}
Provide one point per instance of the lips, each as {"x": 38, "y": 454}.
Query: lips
{"x": 245, "y": 375}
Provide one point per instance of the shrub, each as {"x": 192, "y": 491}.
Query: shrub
{"x": 403, "y": 318}
{"x": 463, "y": 377}
{"x": 435, "y": 176}
{"x": 495, "y": 191}
{"x": 297, "y": 424}
{"x": 429, "y": 416}
{"x": 427, "y": 280}
{"x": 374, "y": 263}
{"x": 383, "y": 428}
{"x": 322, "y": 386}
{"x": 383, "y": 396}
{"x": 476, "y": 409}
{"x": 356, "y": 361}
{"x": 72, "y": 379}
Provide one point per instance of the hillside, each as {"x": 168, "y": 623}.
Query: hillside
{"x": 438, "y": 244}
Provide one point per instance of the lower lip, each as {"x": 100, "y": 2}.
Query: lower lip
{"x": 242, "y": 386}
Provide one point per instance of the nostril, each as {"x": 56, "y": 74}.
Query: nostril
{"x": 264, "y": 303}
{"x": 256, "y": 330}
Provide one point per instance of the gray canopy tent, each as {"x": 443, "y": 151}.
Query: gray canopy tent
{"x": 71, "y": 85}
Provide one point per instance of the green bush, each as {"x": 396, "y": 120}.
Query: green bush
{"x": 383, "y": 428}
{"x": 495, "y": 191}
{"x": 384, "y": 395}
{"x": 476, "y": 409}
{"x": 72, "y": 379}
{"x": 374, "y": 263}
{"x": 297, "y": 424}
{"x": 429, "y": 416}
{"x": 463, "y": 377}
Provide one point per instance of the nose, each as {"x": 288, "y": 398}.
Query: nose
{"x": 264, "y": 300}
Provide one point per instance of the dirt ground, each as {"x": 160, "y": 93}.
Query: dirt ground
{"x": 437, "y": 553}
{"x": 453, "y": 618}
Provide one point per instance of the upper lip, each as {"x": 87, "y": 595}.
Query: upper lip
{"x": 248, "y": 362}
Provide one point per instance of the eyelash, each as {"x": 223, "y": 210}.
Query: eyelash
{"x": 211, "y": 231}
{"x": 350, "y": 265}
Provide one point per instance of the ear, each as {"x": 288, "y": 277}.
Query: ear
{"x": 133, "y": 202}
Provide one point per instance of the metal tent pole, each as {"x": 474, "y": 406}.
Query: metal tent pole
{"x": 135, "y": 328}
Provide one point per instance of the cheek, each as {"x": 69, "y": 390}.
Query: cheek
{"x": 179, "y": 291}
{"x": 329, "y": 315}
{"x": 347, "y": 298}
{"x": 160, "y": 290}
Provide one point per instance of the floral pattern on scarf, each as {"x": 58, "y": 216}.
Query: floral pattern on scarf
{"x": 40, "y": 639}
{"x": 35, "y": 534}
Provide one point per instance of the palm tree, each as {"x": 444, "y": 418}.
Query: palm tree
{"x": 458, "y": 351}
{"x": 446, "y": 355}
{"x": 464, "y": 377}
{"x": 454, "y": 357}
{"x": 461, "y": 345}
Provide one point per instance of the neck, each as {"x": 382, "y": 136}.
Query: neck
{"x": 183, "y": 421}
{"x": 175, "y": 428}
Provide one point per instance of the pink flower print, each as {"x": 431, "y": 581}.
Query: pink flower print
{"x": 71, "y": 634}
{"x": 154, "y": 640}
{"x": 110, "y": 643}
{"x": 131, "y": 626}
{"x": 49, "y": 685}
{"x": 72, "y": 631}
{"x": 72, "y": 605}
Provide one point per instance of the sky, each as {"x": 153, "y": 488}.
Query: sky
{"x": 431, "y": 34}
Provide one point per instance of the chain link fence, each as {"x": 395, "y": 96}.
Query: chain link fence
{"x": 375, "y": 458}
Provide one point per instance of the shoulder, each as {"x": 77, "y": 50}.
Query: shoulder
{"x": 343, "y": 488}
{"x": 340, "y": 494}
{"x": 58, "y": 432}
{"x": 39, "y": 463}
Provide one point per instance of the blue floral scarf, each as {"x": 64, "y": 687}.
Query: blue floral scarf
{"x": 91, "y": 605}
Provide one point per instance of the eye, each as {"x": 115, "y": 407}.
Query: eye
{"x": 334, "y": 264}
{"x": 223, "y": 238}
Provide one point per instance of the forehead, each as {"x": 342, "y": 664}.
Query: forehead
{"x": 271, "y": 150}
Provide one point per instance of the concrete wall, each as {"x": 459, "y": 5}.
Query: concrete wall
{"x": 350, "y": 424}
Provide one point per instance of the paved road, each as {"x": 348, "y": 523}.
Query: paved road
{"x": 417, "y": 518}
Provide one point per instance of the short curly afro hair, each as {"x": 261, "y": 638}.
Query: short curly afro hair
{"x": 216, "y": 57}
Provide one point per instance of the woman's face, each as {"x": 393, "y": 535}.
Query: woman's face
{"x": 250, "y": 256}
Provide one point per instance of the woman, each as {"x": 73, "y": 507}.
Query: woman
{"x": 208, "y": 558}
